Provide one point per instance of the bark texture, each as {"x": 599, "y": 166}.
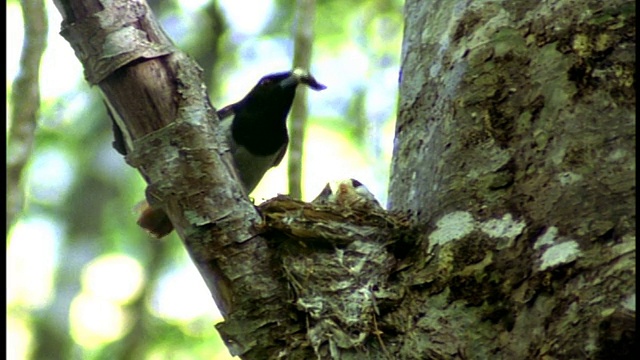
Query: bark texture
{"x": 156, "y": 96}
{"x": 515, "y": 152}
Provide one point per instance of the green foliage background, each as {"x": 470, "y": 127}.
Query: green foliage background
{"x": 84, "y": 282}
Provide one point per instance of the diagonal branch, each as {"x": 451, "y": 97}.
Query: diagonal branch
{"x": 156, "y": 95}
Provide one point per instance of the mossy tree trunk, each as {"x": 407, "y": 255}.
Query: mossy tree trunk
{"x": 515, "y": 151}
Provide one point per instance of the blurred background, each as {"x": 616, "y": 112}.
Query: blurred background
{"x": 83, "y": 281}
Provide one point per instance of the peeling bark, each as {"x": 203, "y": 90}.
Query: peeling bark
{"x": 156, "y": 95}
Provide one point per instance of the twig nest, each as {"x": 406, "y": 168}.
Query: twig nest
{"x": 336, "y": 260}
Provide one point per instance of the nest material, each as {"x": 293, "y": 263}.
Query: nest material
{"x": 336, "y": 260}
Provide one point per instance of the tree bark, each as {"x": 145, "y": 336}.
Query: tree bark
{"x": 511, "y": 232}
{"x": 156, "y": 96}
{"x": 515, "y": 152}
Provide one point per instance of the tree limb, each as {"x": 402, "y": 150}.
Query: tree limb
{"x": 25, "y": 99}
{"x": 305, "y": 17}
{"x": 156, "y": 95}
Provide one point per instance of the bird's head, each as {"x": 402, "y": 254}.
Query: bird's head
{"x": 274, "y": 93}
{"x": 260, "y": 119}
{"x": 292, "y": 79}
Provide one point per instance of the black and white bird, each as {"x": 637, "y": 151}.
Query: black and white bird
{"x": 256, "y": 130}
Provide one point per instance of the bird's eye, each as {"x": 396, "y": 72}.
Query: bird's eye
{"x": 266, "y": 81}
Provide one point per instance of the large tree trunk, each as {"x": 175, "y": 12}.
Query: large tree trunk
{"x": 515, "y": 151}
{"x": 513, "y": 198}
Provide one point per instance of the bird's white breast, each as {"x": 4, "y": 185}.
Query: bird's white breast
{"x": 250, "y": 167}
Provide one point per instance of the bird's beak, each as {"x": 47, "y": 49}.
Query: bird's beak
{"x": 299, "y": 76}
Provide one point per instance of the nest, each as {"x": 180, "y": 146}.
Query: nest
{"x": 336, "y": 260}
